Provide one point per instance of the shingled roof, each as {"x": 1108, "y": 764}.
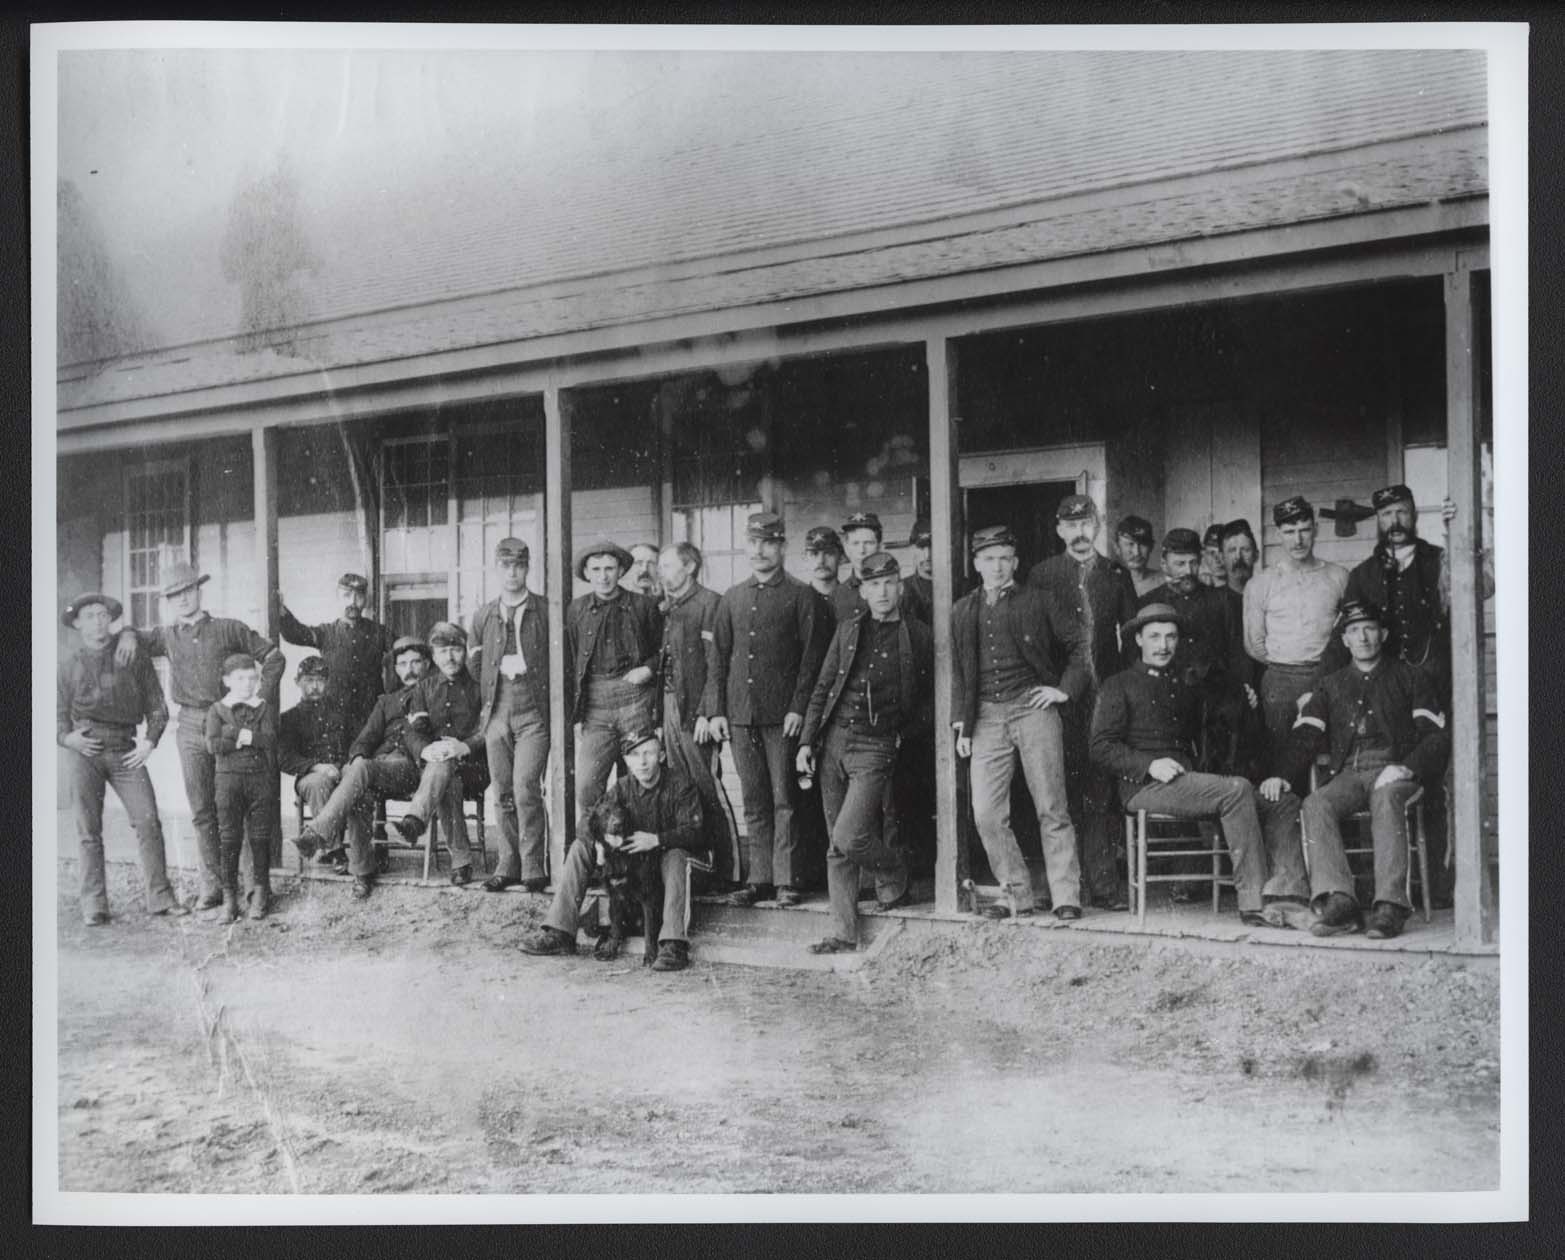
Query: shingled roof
{"x": 759, "y": 178}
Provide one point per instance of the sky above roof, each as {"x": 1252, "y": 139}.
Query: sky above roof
{"x": 206, "y": 191}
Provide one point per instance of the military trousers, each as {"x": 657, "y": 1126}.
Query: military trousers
{"x": 855, "y": 769}
{"x": 570, "y": 890}
{"x": 516, "y": 742}
{"x": 1349, "y": 792}
{"x": 764, "y": 757}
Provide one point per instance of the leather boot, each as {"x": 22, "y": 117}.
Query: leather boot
{"x": 227, "y": 909}
{"x": 257, "y": 907}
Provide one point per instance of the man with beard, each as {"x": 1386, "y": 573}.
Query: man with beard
{"x": 1133, "y": 543}
{"x": 444, "y": 737}
{"x": 353, "y": 647}
{"x": 641, "y": 575}
{"x": 1098, "y": 597}
{"x": 1214, "y": 569}
{"x": 769, "y": 642}
{"x": 1289, "y": 614}
{"x": 378, "y": 766}
{"x": 689, "y": 644}
{"x": 512, "y": 636}
{"x": 1239, "y": 556}
{"x": 1408, "y": 580}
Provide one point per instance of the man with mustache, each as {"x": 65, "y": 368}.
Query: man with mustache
{"x": 1409, "y": 581}
{"x": 1133, "y": 543}
{"x": 642, "y": 574}
{"x": 1290, "y": 613}
{"x": 1098, "y": 596}
{"x": 354, "y": 649}
{"x": 824, "y": 555}
{"x": 1214, "y": 569}
{"x": 1239, "y": 555}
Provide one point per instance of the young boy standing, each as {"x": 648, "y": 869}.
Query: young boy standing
{"x": 241, "y": 733}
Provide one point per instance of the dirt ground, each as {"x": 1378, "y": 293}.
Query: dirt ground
{"x": 406, "y": 1045}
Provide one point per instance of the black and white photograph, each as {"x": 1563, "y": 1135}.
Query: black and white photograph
{"x": 649, "y": 617}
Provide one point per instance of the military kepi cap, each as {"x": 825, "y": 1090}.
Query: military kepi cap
{"x": 863, "y": 520}
{"x": 73, "y": 609}
{"x": 1182, "y": 542}
{"x": 355, "y": 582}
{"x": 765, "y": 526}
{"x": 921, "y": 535}
{"x": 313, "y": 667}
{"x": 409, "y": 643}
{"x": 1357, "y": 610}
{"x": 1238, "y": 528}
{"x": 823, "y": 538}
{"x": 447, "y": 632}
{"x": 1150, "y": 613}
{"x": 181, "y": 577}
{"x": 993, "y": 536}
{"x": 1295, "y": 509}
{"x": 635, "y": 738}
{"x": 1075, "y": 507}
{"x": 879, "y": 564}
{"x": 1136, "y": 527}
{"x": 602, "y": 547}
{"x": 1213, "y": 536}
{"x": 511, "y": 549}
{"x": 1387, "y": 495}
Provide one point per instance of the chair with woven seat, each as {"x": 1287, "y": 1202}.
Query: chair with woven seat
{"x": 1139, "y": 842}
{"x": 1417, "y": 849}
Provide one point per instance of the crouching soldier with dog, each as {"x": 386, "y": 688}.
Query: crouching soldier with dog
{"x": 654, "y": 812}
{"x": 875, "y": 689}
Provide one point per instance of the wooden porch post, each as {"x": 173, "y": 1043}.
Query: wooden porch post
{"x": 946, "y": 536}
{"x": 557, "y": 580}
{"x": 263, "y": 467}
{"x": 1474, "y": 902}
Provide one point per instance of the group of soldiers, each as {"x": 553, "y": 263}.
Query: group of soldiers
{"x": 1209, "y": 694}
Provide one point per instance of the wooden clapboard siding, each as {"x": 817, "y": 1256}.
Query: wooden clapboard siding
{"x": 1324, "y": 457}
{"x": 627, "y": 514}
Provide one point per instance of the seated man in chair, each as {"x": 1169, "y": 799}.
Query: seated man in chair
{"x": 1382, "y": 721}
{"x": 378, "y": 766}
{"x": 665, "y": 809}
{"x": 1144, "y": 731}
{"x": 445, "y": 738}
{"x": 312, "y": 747}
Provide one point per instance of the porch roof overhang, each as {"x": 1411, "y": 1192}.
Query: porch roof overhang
{"x": 1330, "y": 219}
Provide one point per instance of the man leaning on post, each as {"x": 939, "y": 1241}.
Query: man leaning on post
{"x": 100, "y": 706}
{"x": 196, "y": 644}
{"x": 511, "y": 640}
{"x": 354, "y": 649}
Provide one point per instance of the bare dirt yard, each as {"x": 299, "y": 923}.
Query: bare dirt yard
{"x": 406, "y": 1045}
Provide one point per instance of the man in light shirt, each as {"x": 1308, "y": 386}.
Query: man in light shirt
{"x": 512, "y": 635}
{"x": 1290, "y": 612}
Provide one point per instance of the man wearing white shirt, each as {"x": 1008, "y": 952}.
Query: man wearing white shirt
{"x": 512, "y": 638}
{"x": 1290, "y": 613}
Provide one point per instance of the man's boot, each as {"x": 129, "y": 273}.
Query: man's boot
{"x": 227, "y": 908}
{"x": 1339, "y": 914}
{"x": 1386, "y": 920}
{"x": 258, "y": 902}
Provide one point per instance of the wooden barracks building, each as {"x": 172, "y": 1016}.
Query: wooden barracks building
{"x": 1190, "y": 285}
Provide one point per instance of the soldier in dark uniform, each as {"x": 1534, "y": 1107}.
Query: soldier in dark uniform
{"x": 1143, "y": 733}
{"x": 769, "y": 638}
{"x": 101, "y": 705}
{"x": 823, "y": 553}
{"x": 862, "y": 535}
{"x": 378, "y": 766}
{"x": 354, "y": 648}
{"x": 1240, "y": 554}
{"x": 918, "y": 587}
{"x": 689, "y": 647}
{"x": 196, "y": 644}
{"x": 1408, "y": 580}
{"x": 312, "y": 745}
{"x": 1099, "y": 596}
{"x": 444, "y": 737}
{"x": 1385, "y": 726}
{"x": 612, "y": 640}
{"x": 875, "y": 688}
{"x": 511, "y": 638}
{"x": 1133, "y": 543}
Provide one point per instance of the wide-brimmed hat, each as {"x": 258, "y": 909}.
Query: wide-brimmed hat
{"x": 181, "y": 577}
{"x": 73, "y": 609}
{"x": 1151, "y": 613}
{"x": 602, "y": 547}
{"x": 355, "y": 582}
{"x": 447, "y": 632}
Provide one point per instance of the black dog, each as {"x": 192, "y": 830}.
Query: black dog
{"x": 630, "y": 879}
